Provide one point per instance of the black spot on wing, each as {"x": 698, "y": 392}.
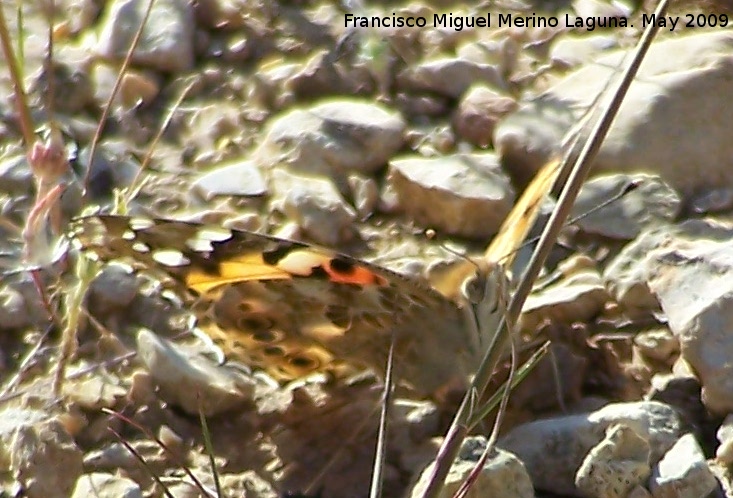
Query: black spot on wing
{"x": 343, "y": 266}
{"x": 319, "y": 272}
{"x": 302, "y": 362}
{"x": 273, "y": 256}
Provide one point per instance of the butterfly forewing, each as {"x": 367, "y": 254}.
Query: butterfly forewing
{"x": 289, "y": 308}
{"x": 518, "y": 223}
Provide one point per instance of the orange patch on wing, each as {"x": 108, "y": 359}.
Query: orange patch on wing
{"x": 355, "y": 275}
{"x": 298, "y": 263}
{"x": 305, "y": 263}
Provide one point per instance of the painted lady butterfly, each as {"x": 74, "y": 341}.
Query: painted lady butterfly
{"x": 292, "y": 309}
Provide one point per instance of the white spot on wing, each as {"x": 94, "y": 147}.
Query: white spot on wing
{"x": 140, "y": 247}
{"x": 300, "y": 262}
{"x": 170, "y": 257}
{"x": 141, "y": 223}
{"x": 199, "y": 245}
{"x": 205, "y": 236}
{"x": 214, "y": 234}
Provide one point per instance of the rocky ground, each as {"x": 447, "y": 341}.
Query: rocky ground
{"x": 405, "y": 147}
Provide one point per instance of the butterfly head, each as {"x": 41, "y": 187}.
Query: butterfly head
{"x": 486, "y": 294}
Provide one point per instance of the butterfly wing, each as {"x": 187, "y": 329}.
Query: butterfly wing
{"x": 289, "y": 308}
{"x": 501, "y": 251}
{"x": 516, "y": 226}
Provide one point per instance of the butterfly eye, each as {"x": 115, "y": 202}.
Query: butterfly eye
{"x": 474, "y": 288}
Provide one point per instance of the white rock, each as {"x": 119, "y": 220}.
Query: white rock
{"x": 237, "y": 178}
{"x": 101, "y": 485}
{"x": 316, "y": 206}
{"x": 478, "y": 112}
{"x": 93, "y": 393}
{"x": 616, "y": 465}
{"x": 465, "y": 195}
{"x": 572, "y": 50}
{"x": 167, "y": 40}
{"x": 333, "y": 138}
{"x": 109, "y": 456}
{"x": 577, "y": 298}
{"x": 686, "y": 76}
{"x": 448, "y": 76}
{"x": 503, "y": 52}
{"x": 628, "y": 274}
{"x": 553, "y": 449}
{"x": 693, "y": 281}
{"x": 38, "y": 453}
{"x": 503, "y": 475}
{"x": 683, "y": 472}
{"x": 192, "y": 382}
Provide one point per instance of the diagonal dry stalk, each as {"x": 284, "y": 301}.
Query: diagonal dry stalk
{"x": 84, "y": 269}
{"x": 209, "y": 446}
{"x": 459, "y": 428}
{"x": 46, "y": 161}
{"x": 137, "y": 183}
{"x": 142, "y": 461}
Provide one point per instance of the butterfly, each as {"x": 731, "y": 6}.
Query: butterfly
{"x": 293, "y": 309}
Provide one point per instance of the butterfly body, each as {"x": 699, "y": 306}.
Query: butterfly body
{"x": 292, "y": 309}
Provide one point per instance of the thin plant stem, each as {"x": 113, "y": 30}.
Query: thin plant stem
{"x": 21, "y": 101}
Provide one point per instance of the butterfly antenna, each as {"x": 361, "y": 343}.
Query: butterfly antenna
{"x": 461, "y": 255}
{"x": 627, "y": 189}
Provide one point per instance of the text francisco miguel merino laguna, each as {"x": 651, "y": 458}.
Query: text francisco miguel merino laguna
{"x": 483, "y": 21}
